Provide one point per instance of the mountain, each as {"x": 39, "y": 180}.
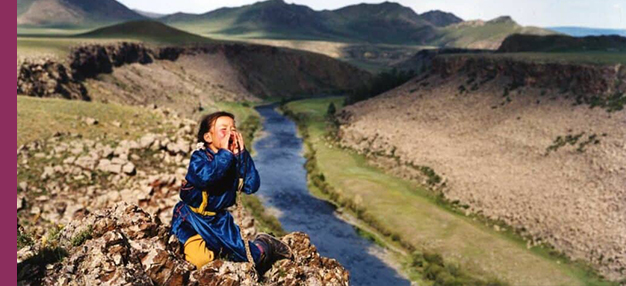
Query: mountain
{"x": 562, "y": 43}
{"x": 479, "y": 34}
{"x": 69, "y": 13}
{"x": 440, "y": 19}
{"x": 381, "y": 23}
{"x": 147, "y": 14}
{"x": 387, "y": 23}
{"x": 272, "y": 19}
{"x": 583, "y": 31}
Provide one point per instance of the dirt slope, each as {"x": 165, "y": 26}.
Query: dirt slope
{"x": 531, "y": 154}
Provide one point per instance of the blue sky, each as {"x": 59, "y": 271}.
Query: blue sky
{"x": 543, "y": 13}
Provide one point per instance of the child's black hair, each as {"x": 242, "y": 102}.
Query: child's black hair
{"x": 207, "y": 122}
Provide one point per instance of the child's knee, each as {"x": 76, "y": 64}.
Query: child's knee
{"x": 196, "y": 252}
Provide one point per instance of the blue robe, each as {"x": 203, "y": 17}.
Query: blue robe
{"x": 215, "y": 173}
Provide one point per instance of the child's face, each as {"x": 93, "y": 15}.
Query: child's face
{"x": 221, "y": 130}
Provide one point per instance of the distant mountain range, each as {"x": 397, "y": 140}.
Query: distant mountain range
{"x": 388, "y": 22}
{"x": 583, "y": 31}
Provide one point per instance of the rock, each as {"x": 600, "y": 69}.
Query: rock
{"x": 23, "y": 186}
{"x": 20, "y": 203}
{"x": 48, "y": 172}
{"x": 69, "y": 160}
{"x": 127, "y": 246}
{"x": 90, "y": 121}
{"x": 86, "y": 162}
{"x": 116, "y": 123}
{"x": 35, "y": 210}
{"x": 25, "y": 253}
{"x": 129, "y": 169}
{"x": 118, "y": 161}
{"x": 147, "y": 140}
{"x": 46, "y": 78}
{"x": 107, "y": 151}
{"x": 178, "y": 147}
{"x": 106, "y": 165}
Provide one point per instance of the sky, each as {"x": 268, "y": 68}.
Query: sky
{"x": 542, "y": 13}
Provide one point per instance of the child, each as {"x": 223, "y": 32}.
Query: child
{"x": 200, "y": 220}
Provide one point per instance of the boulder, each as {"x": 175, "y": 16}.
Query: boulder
{"x": 107, "y": 165}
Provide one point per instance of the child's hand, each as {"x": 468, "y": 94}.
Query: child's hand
{"x": 238, "y": 144}
{"x": 224, "y": 141}
{"x": 240, "y": 141}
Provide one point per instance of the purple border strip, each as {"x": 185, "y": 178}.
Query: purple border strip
{"x": 9, "y": 126}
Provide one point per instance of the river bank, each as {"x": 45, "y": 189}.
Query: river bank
{"x": 385, "y": 202}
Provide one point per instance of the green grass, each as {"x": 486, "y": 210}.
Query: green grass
{"x": 57, "y": 47}
{"x": 413, "y": 217}
{"x": 464, "y": 36}
{"x": 58, "y": 42}
{"x": 39, "y": 118}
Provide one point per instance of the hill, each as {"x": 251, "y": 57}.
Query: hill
{"x": 72, "y": 13}
{"x": 145, "y": 30}
{"x": 562, "y": 43}
{"x": 538, "y": 146}
{"x": 482, "y": 35}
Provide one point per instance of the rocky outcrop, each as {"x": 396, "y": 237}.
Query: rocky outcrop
{"x": 90, "y": 60}
{"x": 124, "y": 245}
{"x": 584, "y": 80}
{"x": 46, "y": 78}
{"x": 260, "y": 70}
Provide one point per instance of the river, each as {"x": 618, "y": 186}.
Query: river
{"x": 280, "y": 164}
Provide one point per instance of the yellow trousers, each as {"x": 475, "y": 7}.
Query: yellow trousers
{"x": 196, "y": 251}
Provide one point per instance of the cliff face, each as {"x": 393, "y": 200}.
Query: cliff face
{"x": 46, "y": 78}
{"x": 581, "y": 79}
{"x": 241, "y": 71}
{"x": 537, "y": 146}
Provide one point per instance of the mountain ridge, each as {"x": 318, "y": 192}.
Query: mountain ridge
{"x": 61, "y": 13}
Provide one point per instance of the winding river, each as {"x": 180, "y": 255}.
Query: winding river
{"x": 280, "y": 163}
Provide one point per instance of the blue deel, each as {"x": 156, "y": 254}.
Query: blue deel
{"x": 217, "y": 174}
